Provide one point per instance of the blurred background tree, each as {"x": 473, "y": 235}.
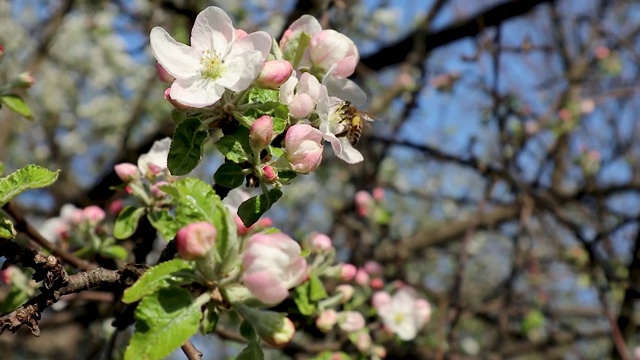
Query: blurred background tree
{"x": 504, "y": 159}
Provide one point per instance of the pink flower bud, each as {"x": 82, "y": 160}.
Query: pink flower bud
{"x": 156, "y": 191}
{"x": 274, "y": 73}
{"x": 163, "y": 75}
{"x": 350, "y": 321}
{"x": 301, "y": 106}
{"x": 195, "y": 240}
{"x": 380, "y": 298}
{"x": 303, "y": 144}
{"x": 115, "y": 207}
{"x": 326, "y": 320}
{"x": 348, "y": 272}
{"x": 269, "y": 173}
{"x": 93, "y": 214}
{"x": 1, "y": 51}
{"x": 263, "y": 223}
{"x": 240, "y": 228}
{"x": 175, "y": 103}
{"x": 363, "y": 202}
{"x": 378, "y": 193}
{"x": 372, "y": 267}
{"x": 261, "y": 132}
{"x": 330, "y": 49}
{"x": 377, "y": 283}
{"x": 321, "y": 242}
{"x": 7, "y": 274}
{"x": 127, "y": 172}
{"x": 346, "y": 291}
{"x": 271, "y": 265}
{"x": 362, "y": 278}
{"x": 363, "y": 342}
{"x": 24, "y": 81}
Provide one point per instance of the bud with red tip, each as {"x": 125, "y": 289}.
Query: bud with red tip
{"x": 261, "y": 132}
{"x": 269, "y": 173}
{"x": 195, "y": 240}
{"x": 127, "y": 172}
{"x": 274, "y": 73}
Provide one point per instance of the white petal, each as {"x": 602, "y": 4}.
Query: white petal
{"x": 156, "y": 156}
{"x": 196, "y": 92}
{"x": 345, "y": 89}
{"x": 257, "y": 41}
{"x": 241, "y": 71}
{"x": 349, "y": 154}
{"x": 306, "y": 23}
{"x": 212, "y": 30}
{"x": 180, "y": 60}
{"x": 286, "y": 89}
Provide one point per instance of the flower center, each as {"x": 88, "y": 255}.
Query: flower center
{"x": 213, "y": 64}
{"x": 398, "y": 318}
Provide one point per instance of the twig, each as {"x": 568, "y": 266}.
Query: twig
{"x": 23, "y": 226}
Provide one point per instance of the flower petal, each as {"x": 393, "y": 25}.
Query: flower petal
{"x": 257, "y": 41}
{"x": 212, "y": 30}
{"x": 241, "y": 71}
{"x": 196, "y": 92}
{"x": 265, "y": 287}
{"x": 179, "y": 60}
{"x": 345, "y": 89}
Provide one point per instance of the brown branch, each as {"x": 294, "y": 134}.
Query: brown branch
{"x": 472, "y": 26}
{"x": 29, "y": 313}
{"x": 47, "y": 268}
{"x": 24, "y": 227}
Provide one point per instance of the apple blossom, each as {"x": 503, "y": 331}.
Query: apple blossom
{"x": 327, "y": 320}
{"x": 303, "y": 144}
{"x": 272, "y": 265}
{"x": 380, "y": 298}
{"x": 350, "y": 321}
{"x": 362, "y": 278}
{"x": 348, "y": 272}
{"x": 274, "y": 73}
{"x": 331, "y": 123}
{"x": 155, "y": 161}
{"x": 195, "y": 240}
{"x": 333, "y": 52}
{"x": 334, "y": 56}
{"x": 93, "y": 214}
{"x": 300, "y": 94}
{"x": 321, "y": 242}
{"x": 269, "y": 173}
{"x": 216, "y": 60}
{"x": 261, "y": 132}
{"x": 177, "y": 105}
{"x": 372, "y": 267}
{"x": 127, "y": 172}
{"x": 402, "y": 313}
{"x": 347, "y": 292}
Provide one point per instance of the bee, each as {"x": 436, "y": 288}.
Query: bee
{"x": 352, "y": 121}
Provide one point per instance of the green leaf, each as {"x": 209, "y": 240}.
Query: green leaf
{"x": 285, "y": 176}
{"x": 6, "y": 227}
{"x": 251, "y": 210}
{"x": 166, "y": 224}
{"x": 17, "y": 105}
{"x": 229, "y": 175}
{"x": 251, "y": 352}
{"x": 186, "y": 147}
{"x": 127, "y": 222}
{"x": 235, "y": 147}
{"x": 316, "y": 288}
{"x": 258, "y": 95}
{"x": 301, "y": 298}
{"x": 279, "y": 125}
{"x": 115, "y": 252}
{"x": 164, "y": 321}
{"x": 195, "y": 200}
{"x": 247, "y": 331}
{"x": 29, "y": 177}
{"x": 210, "y": 319}
{"x": 170, "y": 273}
{"x": 275, "y": 151}
{"x": 16, "y": 297}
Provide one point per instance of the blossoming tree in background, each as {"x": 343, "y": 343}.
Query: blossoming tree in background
{"x": 275, "y": 105}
